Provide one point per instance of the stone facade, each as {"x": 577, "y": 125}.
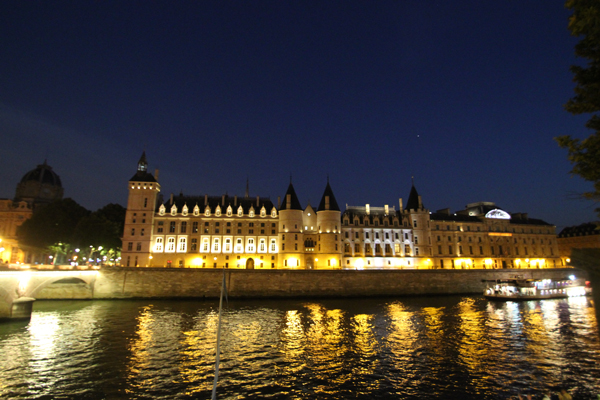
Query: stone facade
{"x": 584, "y": 236}
{"x": 253, "y": 233}
{"x": 38, "y": 187}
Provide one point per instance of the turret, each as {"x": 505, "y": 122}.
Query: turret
{"x": 328, "y": 251}
{"x": 139, "y": 218}
{"x": 417, "y": 217}
{"x": 291, "y": 237}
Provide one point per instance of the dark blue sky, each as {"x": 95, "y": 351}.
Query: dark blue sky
{"x": 464, "y": 96}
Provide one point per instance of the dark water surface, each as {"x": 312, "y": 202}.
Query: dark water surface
{"x": 401, "y": 348}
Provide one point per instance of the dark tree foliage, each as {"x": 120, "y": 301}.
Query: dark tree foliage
{"x": 585, "y": 154}
{"x": 52, "y": 224}
{"x": 101, "y": 228}
{"x": 114, "y": 213}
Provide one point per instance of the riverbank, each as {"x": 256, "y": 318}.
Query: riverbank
{"x": 135, "y": 283}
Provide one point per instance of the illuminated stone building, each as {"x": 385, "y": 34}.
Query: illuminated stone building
{"x": 38, "y": 187}
{"x": 484, "y": 236}
{"x": 253, "y": 233}
{"x": 584, "y": 236}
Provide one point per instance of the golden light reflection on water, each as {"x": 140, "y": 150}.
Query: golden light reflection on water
{"x": 472, "y": 347}
{"x": 292, "y": 337}
{"x": 197, "y": 353}
{"x": 401, "y": 340}
{"x": 327, "y": 342}
{"x": 432, "y": 318}
{"x": 365, "y": 344}
{"x": 155, "y": 343}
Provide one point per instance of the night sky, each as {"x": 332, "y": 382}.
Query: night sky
{"x": 466, "y": 96}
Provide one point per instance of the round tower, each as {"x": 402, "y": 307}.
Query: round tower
{"x": 418, "y": 219}
{"x": 328, "y": 254}
{"x": 291, "y": 237}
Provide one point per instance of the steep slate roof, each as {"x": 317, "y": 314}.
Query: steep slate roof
{"x": 374, "y": 212}
{"x": 223, "y": 201}
{"x": 440, "y": 216}
{"x": 589, "y": 228}
{"x": 294, "y": 200}
{"x": 142, "y": 174}
{"x": 413, "y": 199}
{"x": 518, "y": 219}
{"x": 333, "y": 205}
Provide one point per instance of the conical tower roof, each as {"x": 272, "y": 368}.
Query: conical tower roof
{"x": 333, "y": 205}
{"x": 413, "y": 199}
{"x": 294, "y": 202}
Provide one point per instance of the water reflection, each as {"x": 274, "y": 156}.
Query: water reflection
{"x": 457, "y": 347}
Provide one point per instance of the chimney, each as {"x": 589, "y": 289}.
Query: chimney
{"x": 368, "y": 208}
{"x": 278, "y": 202}
{"x": 156, "y": 174}
{"x": 223, "y": 201}
{"x": 387, "y": 209}
{"x": 205, "y": 200}
{"x": 420, "y": 203}
{"x": 401, "y": 208}
{"x": 171, "y": 199}
{"x": 235, "y": 201}
{"x": 257, "y": 201}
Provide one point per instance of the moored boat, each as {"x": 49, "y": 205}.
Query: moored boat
{"x": 535, "y": 289}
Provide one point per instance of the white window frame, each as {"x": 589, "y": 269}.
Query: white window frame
{"x": 158, "y": 245}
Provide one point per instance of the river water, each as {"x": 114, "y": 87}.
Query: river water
{"x": 390, "y": 348}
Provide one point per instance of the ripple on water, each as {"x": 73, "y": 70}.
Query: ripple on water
{"x": 403, "y": 348}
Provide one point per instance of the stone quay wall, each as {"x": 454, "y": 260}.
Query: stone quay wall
{"x": 131, "y": 283}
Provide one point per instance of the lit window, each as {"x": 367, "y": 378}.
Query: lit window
{"x": 170, "y": 245}
{"x": 158, "y": 246}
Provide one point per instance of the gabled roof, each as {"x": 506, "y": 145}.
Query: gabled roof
{"x": 295, "y": 203}
{"x": 333, "y": 205}
{"x": 413, "y": 199}
{"x": 223, "y": 201}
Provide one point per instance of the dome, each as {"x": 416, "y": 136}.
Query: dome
{"x": 39, "y": 186}
{"x": 42, "y": 174}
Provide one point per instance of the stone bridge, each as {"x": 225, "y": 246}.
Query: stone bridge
{"x": 18, "y": 289}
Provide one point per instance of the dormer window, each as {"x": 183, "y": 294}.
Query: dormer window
{"x": 251, "y": 213}
{"x": 184, "y": 211}
{"x": 273, "y": 212}
{"x": 240, "y": 211}
{"x": 174, "y": 210}
{"x": 218, "y": 211}
{"x": 207, "y": 211}
{"x": 263, "y": 212}
{"x": 229, "y": 211}
{"x": 196, "y": 210}
{"x": 161, "y": 209}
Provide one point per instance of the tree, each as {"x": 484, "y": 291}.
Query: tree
{"x": 103, "y": 227}
{"x": 52, "y": 226}
{"x": 585, "y": 154}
